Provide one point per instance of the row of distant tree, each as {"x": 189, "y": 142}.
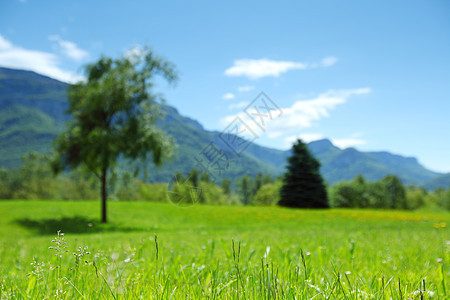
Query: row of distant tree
{"x": 35, "y": 180}
{"x": 388, "y": 192}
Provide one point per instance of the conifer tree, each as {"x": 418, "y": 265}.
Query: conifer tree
{"x": 303, "y": 186}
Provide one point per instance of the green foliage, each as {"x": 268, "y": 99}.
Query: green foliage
{"x": 389, "y": 193}
{"x": 155, "y": 192}
{"x": 394, "y": 192}
{"x": 416, "y": 197}
{"x": 35, "y": 180}
{"x": 211, "y": 193}
{"x": 114, "y": 115}
{"x": 351, "y": 194}
{"x": 302, "y": 183}
{"x": 268, "y": 194}
{"x": 245, "y": 189}
{"x": 226, "y": 186}
{"x": 344, "y": 194}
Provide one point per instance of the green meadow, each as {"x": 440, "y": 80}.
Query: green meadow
{"x": 161, "y": 251}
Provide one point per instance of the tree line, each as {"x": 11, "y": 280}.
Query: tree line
{"x": 36, "y": 180}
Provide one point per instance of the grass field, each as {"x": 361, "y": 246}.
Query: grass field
{"x": 212, "y": 252}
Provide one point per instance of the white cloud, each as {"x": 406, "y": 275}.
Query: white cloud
{"x": 329, "y": 61}
{"x": 246, "y": 88}
{"x": 136, "y": 51}
{"x": 238, "y": 105}
{"x": 45, "y": 63}
{"x": 4, "y": 44}
{"x": 69, "y": 49}
{"x": 258, "y": 68}
{"x": 304, "y": 113}
{"x": 349, "y": 142}
{"x": 228, "y": 96}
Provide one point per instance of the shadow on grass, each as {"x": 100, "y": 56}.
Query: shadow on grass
{"x": 76, "y": 224}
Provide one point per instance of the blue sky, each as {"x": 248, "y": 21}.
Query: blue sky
{"x": 374, "y": 75}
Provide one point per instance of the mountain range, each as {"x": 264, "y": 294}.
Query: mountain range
{"x": 32, "y": 113}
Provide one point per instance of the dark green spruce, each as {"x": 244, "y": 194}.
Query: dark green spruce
{"x": 303, "y": 185}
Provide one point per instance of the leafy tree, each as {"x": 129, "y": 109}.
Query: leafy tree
{"x": 344, "y": 194}
{"x": 268, "y": 179}
{"x": 245, "y": 189}
{"x": 179, "y": 177}
{"x": 114, "y": 115}
{"x": 212, "y": 193}
{"x": 395, "y": 193}
{"x": 360, "y": 186}
{"x": 205, "y": 177}
{"x": 36, "y": 178}
{"x": 416, "y": 197}
{"x": 226, "y": 186}
{"x": 194, "y": 177}
{"x": 10, "y": 183}
{"x": 268, "y": 194}
{"x": 258, "y": 182}
{"x": 302, "y": 183}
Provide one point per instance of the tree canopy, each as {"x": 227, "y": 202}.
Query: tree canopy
{"x": 114, "y": 113}
{"x": 302, "y": 183}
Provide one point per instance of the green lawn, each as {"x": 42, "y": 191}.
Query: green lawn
{"x": 278, "y": 253}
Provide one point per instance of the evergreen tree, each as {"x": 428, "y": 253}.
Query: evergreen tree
{"x": 302, "y": 183}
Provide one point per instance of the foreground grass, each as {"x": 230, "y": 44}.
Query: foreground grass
{"x": 219, "y": 252}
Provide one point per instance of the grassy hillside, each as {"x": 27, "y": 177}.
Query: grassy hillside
{"x": 278, "y": 253}
{"x": 22, "y": 130}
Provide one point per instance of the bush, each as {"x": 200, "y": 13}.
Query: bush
{"x": 268, "y": 194}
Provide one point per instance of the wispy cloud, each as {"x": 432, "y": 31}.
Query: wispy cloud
{"x": 247, "y": 88}
{"x": 45, "y": 63}
{"x": 329, "y": 61}
{"x": 258, "y": 68}
{"x": 303, "y": 114}
{"x": 228, "y": 96}
{"x": 68, "y": 48}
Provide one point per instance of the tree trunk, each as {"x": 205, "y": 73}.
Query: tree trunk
{"x": 104, "y": 195}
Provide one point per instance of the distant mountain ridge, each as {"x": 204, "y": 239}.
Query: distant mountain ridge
{"x": 346, "y": 164}
{"x": 32, "y": 110}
